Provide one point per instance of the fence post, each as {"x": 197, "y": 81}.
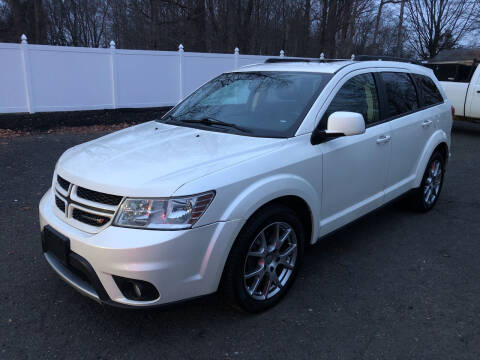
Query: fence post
{"x": 282, "y": 53}
{"x": 235, "y": 61}
{"x": 180, "y": 74}
{"x": 27, "y": 79}
{"x": 113, "y": 72}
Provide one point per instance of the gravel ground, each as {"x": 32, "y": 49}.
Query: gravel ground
{"x": 393, "y": 285}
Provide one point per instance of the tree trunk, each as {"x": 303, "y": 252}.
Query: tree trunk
{"x": 323, "y": 28}
{"x": 37, "y": 10}
{"x": 153, "y": 24}
{"x": 347, "y": 17}
{"x": 399, "y": 47}
{"x": 244, "y": 34}
{"x": 377, "y": 25}
{"x": 306, "y": 29}
{"x": 199, "y": 25}
{"x": 331, "y": 29}
{"x": 18, "y": 15}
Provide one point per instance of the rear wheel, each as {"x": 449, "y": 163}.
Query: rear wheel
{"x": 425, "y": 197}
{"x": 264, "y": 259}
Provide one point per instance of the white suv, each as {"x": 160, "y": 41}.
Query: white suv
{"x": 231, "y": 185}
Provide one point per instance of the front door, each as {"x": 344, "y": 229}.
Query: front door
{"x": 355, "y": 168}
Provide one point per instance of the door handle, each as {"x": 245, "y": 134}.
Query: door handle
{"x": 383, "y": 139}
{"x": 426, "y": 123}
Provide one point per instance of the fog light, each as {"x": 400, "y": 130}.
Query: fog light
{"x": 137, "y": 290}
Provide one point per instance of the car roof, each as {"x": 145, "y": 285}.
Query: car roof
{"x": 331, "y": 67}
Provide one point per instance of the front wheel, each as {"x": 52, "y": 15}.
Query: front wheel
{"x": 264, "y": 259}
{"x": 425, "y": 197}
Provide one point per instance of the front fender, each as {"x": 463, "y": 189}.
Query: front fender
{"x": 244, "y": 205}
{"x": 270, "y": 188}
{"x": 436, "y": 139}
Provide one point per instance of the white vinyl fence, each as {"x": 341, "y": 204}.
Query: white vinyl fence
{"x": 40, "y": 78}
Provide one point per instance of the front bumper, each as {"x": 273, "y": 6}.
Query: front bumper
{"x": 180, "y": 264}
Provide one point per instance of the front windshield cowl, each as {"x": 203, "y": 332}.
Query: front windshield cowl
{"x": 266, "y": 104}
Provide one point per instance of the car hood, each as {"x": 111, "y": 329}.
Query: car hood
{"x": 155, "y": 159}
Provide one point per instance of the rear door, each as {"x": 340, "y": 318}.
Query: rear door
{"x": 432, "y": 106}
{"x": 354, "y": 167}
{"x": 412, "y": 125}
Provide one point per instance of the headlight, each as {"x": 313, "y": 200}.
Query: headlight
{"x": 173, "y": 213}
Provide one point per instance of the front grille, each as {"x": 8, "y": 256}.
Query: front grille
{"x": 63, "y": 183}
{"x": 98, "y": 197}
{"x": 60, "y": 204}
{"x": 89, "y": 218}
{"x": 89, "y": 207}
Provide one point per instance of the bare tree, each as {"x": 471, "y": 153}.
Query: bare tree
{"x": 378, "y": 19}
{"x": 300, "y": 27}
{"x": 439, "y": 24}
{"x": 25, "y": 17}
{"x": 6, "y": 23}
{"x": 78, "y": 22}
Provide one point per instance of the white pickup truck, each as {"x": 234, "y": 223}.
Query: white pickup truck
{"x": 460, "y": 78}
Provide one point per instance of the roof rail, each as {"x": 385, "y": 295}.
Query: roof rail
{"x": 354, "y": 58}
{"x": 313, "y": 60}
{"x": 385, "y": 58}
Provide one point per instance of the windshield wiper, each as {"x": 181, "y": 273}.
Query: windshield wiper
{"x": 166, "y": 118}
{"x": 212, "y": 121}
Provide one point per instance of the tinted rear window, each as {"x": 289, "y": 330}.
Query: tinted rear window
{"x": 400, "y": 93}
{"x": 430, "y": 93}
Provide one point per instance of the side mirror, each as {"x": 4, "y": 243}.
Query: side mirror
{"x": 340, "y": 123}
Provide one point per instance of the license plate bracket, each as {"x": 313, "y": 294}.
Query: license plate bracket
{"x": 56, "y": 243}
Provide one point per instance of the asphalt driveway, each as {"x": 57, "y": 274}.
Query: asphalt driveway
{"x": 393, "y": 285}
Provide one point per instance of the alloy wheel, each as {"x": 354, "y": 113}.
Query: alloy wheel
{"x": 270, "y": 261}
{"x": 433, "y": 182}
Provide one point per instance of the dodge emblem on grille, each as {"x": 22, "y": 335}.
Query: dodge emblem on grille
{"x": 99, "y": 221}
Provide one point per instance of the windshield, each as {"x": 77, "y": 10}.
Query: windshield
{"x": 267, "y": 104}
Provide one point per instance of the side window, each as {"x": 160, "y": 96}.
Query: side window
{"x": 400, "y": 93}
{"x": 359, "y": 94}
{"x": 430, "y": 92}
{"x": 444, "y": 72}
{"x": 464, "y": 73}
{"x": 453, "y": 72}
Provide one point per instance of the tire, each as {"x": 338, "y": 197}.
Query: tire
{"x": 260, "y": 270}
{"x": 432, "y": 183}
